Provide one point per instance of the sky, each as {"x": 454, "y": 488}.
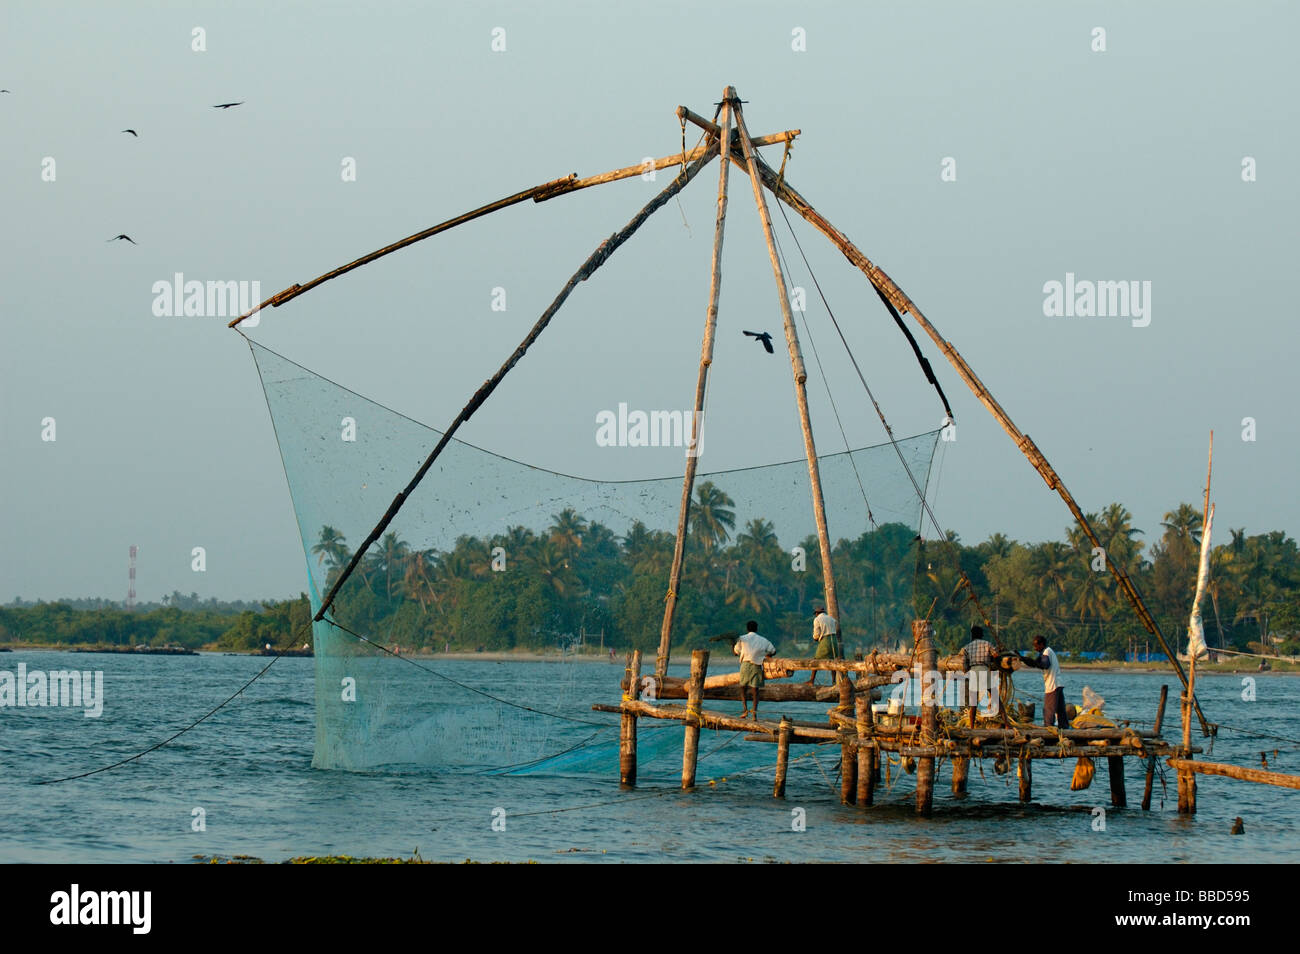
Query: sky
{"x": 975, "y": 151}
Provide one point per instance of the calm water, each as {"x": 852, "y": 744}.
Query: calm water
{"x": 249, "y": 769}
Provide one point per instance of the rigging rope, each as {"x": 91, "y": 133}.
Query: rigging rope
{"x": 920, "y": 494}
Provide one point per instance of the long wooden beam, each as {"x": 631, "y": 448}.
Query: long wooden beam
{"x": 1236, "y": 771}
{"x": 887, "y": 287}
{"x": 701, "y": 388}
{"x": 538, "y": 193}
{"x": 796, "y": 365}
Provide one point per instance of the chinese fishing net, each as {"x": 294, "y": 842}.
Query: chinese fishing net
{"x": 491, "y": 555}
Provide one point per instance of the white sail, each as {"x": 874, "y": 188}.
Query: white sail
{"x": 1196, "y": 647}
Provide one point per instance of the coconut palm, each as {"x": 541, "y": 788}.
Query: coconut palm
{"x": 712, "y": 518}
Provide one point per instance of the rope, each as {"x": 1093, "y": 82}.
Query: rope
{"x": 920, "y": 494}
{"x": 172, "y": 738}
{"x": 822, "y": 371}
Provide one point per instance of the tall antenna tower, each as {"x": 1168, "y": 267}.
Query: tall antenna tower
{"x": 130, "y": 587}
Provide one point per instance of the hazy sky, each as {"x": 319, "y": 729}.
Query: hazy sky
{"x": 1117, "y": 165}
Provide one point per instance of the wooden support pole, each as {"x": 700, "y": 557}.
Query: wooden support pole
{"x": 627, "y": 725}
{"x": 848, "y": 773}
{"x": 1024, "y": 772}
{"x": 927, "y": 657}
{"x": 1115, "y": 768}
{"x": 694, "y": 698}
{"x": 1186, "y": 779}
{"x": 866, "y": 749}
{"x": 796, "y": 366}
{"x": 782, "y": 757}
{"x": 1151, "y": 762}
{"x": 960, "y": 769}
{"x": 701, "y": 388}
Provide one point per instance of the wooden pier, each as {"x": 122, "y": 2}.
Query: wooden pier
{"x": 936, "y": 735}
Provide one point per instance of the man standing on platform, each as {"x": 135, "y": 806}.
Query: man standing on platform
{"x": 752, "y": 650}
{"x": 826, "y": 634}
{"x": 978, "y": 657}
{"x": 1053, "y": 690}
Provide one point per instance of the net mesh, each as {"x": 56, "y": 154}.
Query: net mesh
{"x": 492, "y": 554}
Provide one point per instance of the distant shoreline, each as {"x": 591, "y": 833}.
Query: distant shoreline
{"x": 1278, "y": 668}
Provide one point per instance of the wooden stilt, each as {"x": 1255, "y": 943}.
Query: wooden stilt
{"x": 701, "y": 385}
{"x": 627, "y": 726}
{"x": 1151, "y": 762}
{"x": 928, "y": 658}
{"x": 866, "y": 786}
{"x": 1186, "y": 779}
{"x": 694, "y": 698}
{"x": 796, "y": 365}
{"x": 848, "y": 774}
{"x": 782, "y": 758}
{"x": 1115, "y": 768}
{"x": 960, "y": 769}
{"x": 1025, "y": 772}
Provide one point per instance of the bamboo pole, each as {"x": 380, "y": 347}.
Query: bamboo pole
{"x": 899, "y": 300}
{"x": 593, "y": 262}
{"x": 691, "y": 745}
{"x": 796, "y": 366}
{"x": 1151, "y": 762}
{"x": 1280, "y": 779}
{"x": 782, "y": 757}
{"x": 627, "y": 725}
{"x": 923, "y": 636}
{"x": 701, "y": 386}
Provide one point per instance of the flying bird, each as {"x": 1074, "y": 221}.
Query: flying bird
{"x": 765, "y": 338}
{"x": 132, "y": 132}
{"x": 228, "y": 105}
{"x": 127, "y": 237}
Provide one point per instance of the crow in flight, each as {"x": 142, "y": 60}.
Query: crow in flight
{"x": 765, "y": 338}
{"x": 127, "y": 237}
{"x": 228, "y": 105}
{"x": 132, "y": 132}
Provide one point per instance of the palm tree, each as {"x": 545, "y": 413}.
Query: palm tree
{"x": 550, "y": 562}
{"x": 568, "y": 529}
{"x": 711, "y": 516}
{"x": 392, "y": 555}
{"x": 1183, "y": 524}
{"x": 332, "y": 547}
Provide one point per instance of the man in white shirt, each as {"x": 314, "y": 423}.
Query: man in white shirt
{"x": 826, "y": 635}
{"x": 1053, "y": 689}
{"x": 752, "y": 650}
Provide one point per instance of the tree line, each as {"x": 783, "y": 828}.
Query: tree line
{"x": 577, "y": 579}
